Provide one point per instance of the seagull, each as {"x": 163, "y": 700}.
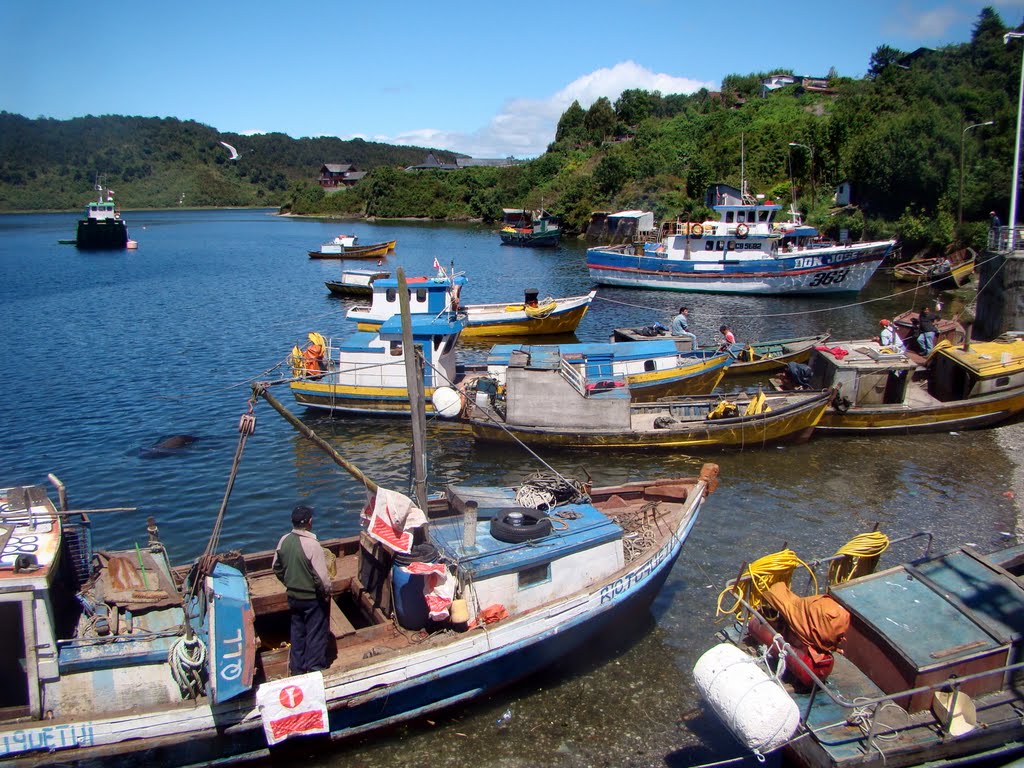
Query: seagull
{"x": 234, "y": 152}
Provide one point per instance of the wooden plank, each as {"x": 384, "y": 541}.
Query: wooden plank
{"x": 340, "y": 625}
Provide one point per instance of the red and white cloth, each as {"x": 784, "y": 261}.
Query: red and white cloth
{"x": 294, "y": 706}
{"x": 438, "y": 587}
{"x": 391, "y": 518}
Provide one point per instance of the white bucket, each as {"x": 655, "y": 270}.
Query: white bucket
{"x": 483, "y": 399}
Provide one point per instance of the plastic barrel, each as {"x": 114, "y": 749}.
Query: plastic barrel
{"x": 410, "y": 601}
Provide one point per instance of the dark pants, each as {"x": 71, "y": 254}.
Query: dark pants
{"x": 309, "y": 635}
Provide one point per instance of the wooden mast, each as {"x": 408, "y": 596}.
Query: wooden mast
{"x": 414, "y": 368}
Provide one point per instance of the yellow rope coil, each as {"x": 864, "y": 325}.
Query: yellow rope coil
{"x": 758, "y": 578}
{"x": 859, "y": 556}
{"x": 543, "y": 309}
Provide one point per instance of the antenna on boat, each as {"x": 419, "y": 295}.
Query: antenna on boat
{"x": 417, "y": 406}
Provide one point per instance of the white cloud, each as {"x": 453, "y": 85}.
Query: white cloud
{"x": 524, "y": 127}
{"x": 918, "y": 24}
{"x": 253, "y": 132}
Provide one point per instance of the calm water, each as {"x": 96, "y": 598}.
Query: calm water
{"x": 107, "y": 352}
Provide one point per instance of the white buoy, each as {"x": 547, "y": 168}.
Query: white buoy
{"x": 447, "y": 402}
{"x": 748, "y": 701}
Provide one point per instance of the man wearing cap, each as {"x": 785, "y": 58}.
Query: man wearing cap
{"x": 889, "y": 337}
{"x": 300, "y": 565}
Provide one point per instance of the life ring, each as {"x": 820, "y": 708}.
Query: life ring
{"x": 696, "y": 230}
{"x": 742, "y": 230}
{"x": 515, "y": 526}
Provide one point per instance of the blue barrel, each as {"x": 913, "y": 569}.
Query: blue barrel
{"x": 410, "y": 602}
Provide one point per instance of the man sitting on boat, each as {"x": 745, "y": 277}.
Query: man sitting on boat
{"x": 681, "y": 326}
{"x": 889, "y": 337}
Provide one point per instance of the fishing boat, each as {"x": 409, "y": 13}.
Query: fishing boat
{"x": 532, "y": 316}
{"x": 536, "y": 228}
{"x": 744, "y": 251}
{"x": 376, "y": 250}
{"x": 754, "y": 358}
{"x": 541, "y": 406}
{"x": 355, "y": 282}
{"x": 102, "y": 227}
{"x": 648, "y": 369}
{"x": 881, "y": 390}
{"x": 916, "y": 664}
{"x": 941, "y": 272}
{"x": 365, "y": 371}
{"x": 117, "y": 656}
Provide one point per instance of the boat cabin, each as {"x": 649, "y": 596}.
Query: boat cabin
{"x": 101, "y": 210}
{"x": 864, "y": 372}
{"x": 433, "y": 296}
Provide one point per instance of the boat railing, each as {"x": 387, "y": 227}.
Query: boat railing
{"x": 576, "y": 378}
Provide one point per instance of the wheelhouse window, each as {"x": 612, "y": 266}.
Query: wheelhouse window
{"x": 729, "y": 217}
{"x": 531, "y": 577}
{"x": 390, "y": 295}
{"x": 650, "y": 365}
{"x": 421, "y": 295}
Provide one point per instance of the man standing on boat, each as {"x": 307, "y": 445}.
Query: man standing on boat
{"x": 300, "y": 564}
{"x": 926, "y": 330}
{"x": 681, "y": 326}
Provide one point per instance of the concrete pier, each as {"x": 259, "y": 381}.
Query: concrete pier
{"x": 1001, "y": 285}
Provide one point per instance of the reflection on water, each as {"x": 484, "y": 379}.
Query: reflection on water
{"x": 109, "y": 352}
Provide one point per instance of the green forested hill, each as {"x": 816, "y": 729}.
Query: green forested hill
{"x": 895, "y": 135}
{"x": 152, "y": 162}
{"x": 898, "y": 136}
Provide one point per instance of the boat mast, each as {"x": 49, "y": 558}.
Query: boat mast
{"x": 414, "y": 383}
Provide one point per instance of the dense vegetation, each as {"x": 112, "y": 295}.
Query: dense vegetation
{"x": 898, "y": 136}
{"x": 158, "y": 163}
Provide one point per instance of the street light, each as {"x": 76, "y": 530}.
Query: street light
{"x": 794, "y": 144}
{"x": 1016, "y": 147}
{"x": 960, "y": 194}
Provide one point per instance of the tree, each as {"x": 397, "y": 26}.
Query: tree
{"x": 599, "y": 121}
{"x": 610, "y": 175}
{"x": 634, "y": 105}
{"x": 571, "y": 122}
{"x": 989, "y": 25}
{"x": 883, "y": 56}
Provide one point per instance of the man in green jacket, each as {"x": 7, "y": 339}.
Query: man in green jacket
{"x": 300, "y": 564}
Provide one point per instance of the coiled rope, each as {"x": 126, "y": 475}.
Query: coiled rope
{"x": 541, "y": 311}
{"x": 187, "y": 660}
{"x": 862, "y": 550}
{"x": 758, "y": 578}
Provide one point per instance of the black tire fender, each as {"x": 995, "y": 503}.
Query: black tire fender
{"x": 533, "y": 525}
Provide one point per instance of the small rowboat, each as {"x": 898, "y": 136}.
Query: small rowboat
{"x": 941, "y": 272}
{"x": 376, "y": 250}
{"x": 355, "y": 282}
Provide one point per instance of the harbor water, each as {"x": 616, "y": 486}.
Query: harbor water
{"x": 108, "y": 352}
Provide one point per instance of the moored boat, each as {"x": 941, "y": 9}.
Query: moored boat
{"x": 355, "y": 282}
{"x": 376, "y": 250}
{"x": 744, "y": 251}
{"x": 536, "y": 228}
{"x": 941, "y": 272}
{"x": 118, "y": 656}
{"x": 649, "y": 369}
{"x": 546, "y": 407}
{"x": 881, "y": 390}
{"x": 102, "y": 228}
{"x": 430, "y": 295}
{"x": 913, "y": 665}
{"x": 754, "y": 358}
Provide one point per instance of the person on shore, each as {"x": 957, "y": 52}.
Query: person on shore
{"x": 993, "y": 220}
{"x": 926, "y": 330}
{"x": 300, "y": 565}
{"x": 889, "y": 337}
{"x": 681, "y": 326}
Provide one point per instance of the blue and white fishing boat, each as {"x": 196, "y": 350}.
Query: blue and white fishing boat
{"x": 102, "y": 227}
{"x": 745, "y": 251}
{"x": 365, "y": 372}
{"x": 650, "y": 369}
{"x": 117, "y": 657}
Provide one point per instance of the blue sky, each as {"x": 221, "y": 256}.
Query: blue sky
{"x": 486, "y": 79}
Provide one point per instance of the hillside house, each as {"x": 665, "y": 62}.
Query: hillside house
{"x": 339, "y": 175}
{"x": 431, "y": 163}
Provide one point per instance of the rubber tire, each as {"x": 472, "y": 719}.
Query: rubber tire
{"x": 535, "y": 526}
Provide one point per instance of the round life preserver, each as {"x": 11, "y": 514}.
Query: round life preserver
{"x": 742, "y": 230}
{"x": 696, "y": 230}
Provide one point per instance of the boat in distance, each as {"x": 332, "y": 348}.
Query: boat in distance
{"x": 917, "y": 664}
{"x": 126, "y": 658}
{"x": 940, "y": 272}
{"x": 102, "y": 228}
{"x": 541, "y": 407}
{"x": 881, "y": 390}
{"x": 530, "y": 228}
{"x": 755, "y": 357}
{"x": 744, "y": 251}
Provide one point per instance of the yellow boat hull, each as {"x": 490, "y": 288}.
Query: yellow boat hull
{"x": 901, "y": 419}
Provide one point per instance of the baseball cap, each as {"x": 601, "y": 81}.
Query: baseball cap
{"x": 302, "y": 515}
{"x": 883, "y": 321}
